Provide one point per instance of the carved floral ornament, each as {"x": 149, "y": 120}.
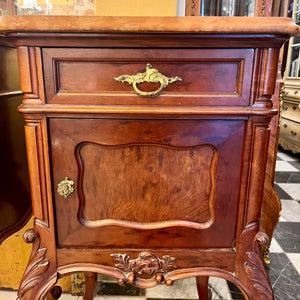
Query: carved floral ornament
{"x": 145, "y": 266}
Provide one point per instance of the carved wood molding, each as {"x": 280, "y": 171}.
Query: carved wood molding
{"x": 261, "y": 240}
{"x": 255, "y": 269}
{"x": 258, "y": 276}
{"x": 146, "y": 265}
{"x": 250, "y": 268}
{"x": 37, "y": 266}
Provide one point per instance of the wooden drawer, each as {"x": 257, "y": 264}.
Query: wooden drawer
{"x": 130, "y": 182}
{"x": 290, "y": 130}
{"x": 291, "y": 110}
{"x": 208, "y": 76}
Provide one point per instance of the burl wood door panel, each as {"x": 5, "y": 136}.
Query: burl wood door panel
{"x": 137, "y": 184}
{"x": 208, "y": 76}
{"x": 147, "y": 183}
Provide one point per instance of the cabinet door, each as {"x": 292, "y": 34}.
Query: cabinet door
{"x": 147, "y": 183}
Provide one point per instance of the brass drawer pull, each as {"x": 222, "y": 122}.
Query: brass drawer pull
{"x": 150, "y": 75}
{"x": 65, "y": 188}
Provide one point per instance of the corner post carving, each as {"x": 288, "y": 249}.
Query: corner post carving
{"x": 37, "y": 266}
{"x": 255, "y": 268}
{"x": 250, "y": 268}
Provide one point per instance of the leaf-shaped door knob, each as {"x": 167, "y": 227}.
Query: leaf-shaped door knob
{"x": 65, "y": 188}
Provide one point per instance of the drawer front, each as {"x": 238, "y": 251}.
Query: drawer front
{"x": 291, "y": 111}
{"x": 290, "y": 130}
{"x": 207, "y": 76}
{"x": 146, "y": 183}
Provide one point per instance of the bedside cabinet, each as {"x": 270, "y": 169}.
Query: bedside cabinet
{"x": 147, "y": 142}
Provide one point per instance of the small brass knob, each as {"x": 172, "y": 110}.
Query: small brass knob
{"x": 65, "y": 188}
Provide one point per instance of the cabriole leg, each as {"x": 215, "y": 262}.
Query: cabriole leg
{"x": 204, "y": 292}
{"x": 55, "y": 293}
{"x": 90, "y": 284}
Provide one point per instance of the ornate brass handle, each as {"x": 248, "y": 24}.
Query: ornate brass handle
{"x": 151, "y": 75}
{"x": 65, "y": 188}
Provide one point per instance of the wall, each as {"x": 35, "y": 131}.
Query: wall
{"x": 111, "y": 7}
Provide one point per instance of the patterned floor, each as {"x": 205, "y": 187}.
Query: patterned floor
{"x": 284, "y": 270}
